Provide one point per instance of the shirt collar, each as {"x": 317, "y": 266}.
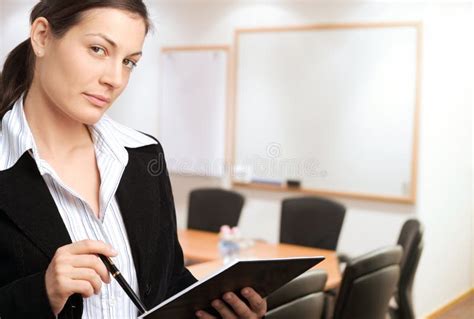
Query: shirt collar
{"x": 109, "y": 137}
{"x": 16, "y": 137}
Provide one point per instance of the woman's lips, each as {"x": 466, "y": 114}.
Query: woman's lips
{"x": 97, "y": 100}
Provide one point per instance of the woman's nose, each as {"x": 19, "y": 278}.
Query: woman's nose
{"x": 113, "y": 75}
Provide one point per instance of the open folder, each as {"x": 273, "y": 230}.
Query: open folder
{"x": 263, "y": 275}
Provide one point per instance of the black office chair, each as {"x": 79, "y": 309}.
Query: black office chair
{"x": 410, "y": 239}
{"x": 210, "y": 208}
{"x": 301, "y": 298}
{"x": 368, "y": 284}
{"x": 311, "y": 221}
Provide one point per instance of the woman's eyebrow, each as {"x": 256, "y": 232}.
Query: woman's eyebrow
{"x": 112, "y": 43}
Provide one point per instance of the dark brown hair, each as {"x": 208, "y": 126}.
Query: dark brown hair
{"x": 18, "y": 69}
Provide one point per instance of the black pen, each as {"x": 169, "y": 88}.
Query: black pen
{"x": 122, "y": 282}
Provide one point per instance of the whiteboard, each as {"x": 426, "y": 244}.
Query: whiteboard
{"x": 334, "y": 108}
{"x": 192, "y": 124}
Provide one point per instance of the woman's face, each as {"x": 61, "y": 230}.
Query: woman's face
{"x": 84, "y": 71}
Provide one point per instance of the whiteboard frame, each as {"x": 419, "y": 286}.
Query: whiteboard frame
{"x": 411, "y": 197}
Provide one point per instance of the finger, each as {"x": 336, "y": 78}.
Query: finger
{"x": 204, "y": 315}
{"x": 82, "y": 287}
{"x": 223, "y": 309}
{"x": 92, "y": 262}
{"x": 239, "y": 307}
{"x": 89, "y": 246}
{"x": 257, "y": 303}
{"x": 89, "y": 275}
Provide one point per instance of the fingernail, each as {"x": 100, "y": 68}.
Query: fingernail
{"x": 199, "y": 313}
{"x": 216, "y": 303}
{"x": 245, "y": 292}
{"x": 228, "y": 297}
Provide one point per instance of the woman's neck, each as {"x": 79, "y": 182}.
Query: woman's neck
{"x": 55, "y": 134}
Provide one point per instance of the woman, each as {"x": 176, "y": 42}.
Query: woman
{"x": 74, "y": 183}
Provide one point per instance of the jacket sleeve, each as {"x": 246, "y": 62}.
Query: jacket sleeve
{"x": 25, "y": 298}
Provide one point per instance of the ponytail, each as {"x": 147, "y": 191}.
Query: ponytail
{"x": 16, "y": 76}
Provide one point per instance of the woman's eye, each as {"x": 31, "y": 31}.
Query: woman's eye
{"x": 129, "y": 64}
{"x": 98, "y": 50}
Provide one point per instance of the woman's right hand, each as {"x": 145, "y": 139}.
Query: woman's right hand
{"x": 75, "y": 268}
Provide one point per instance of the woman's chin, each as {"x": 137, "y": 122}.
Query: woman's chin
{"x": 91, "y": 117}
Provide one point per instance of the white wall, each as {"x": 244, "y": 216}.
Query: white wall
{"x": 445, "y": 193}
{"x": 14, "y": 22}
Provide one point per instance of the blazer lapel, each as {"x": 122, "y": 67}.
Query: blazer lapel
{"x": 25, "y": 198}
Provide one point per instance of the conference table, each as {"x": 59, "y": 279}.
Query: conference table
{"x": 200, "y": 250}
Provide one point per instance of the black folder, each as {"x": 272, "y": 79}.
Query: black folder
{"x": 263, "y": 275}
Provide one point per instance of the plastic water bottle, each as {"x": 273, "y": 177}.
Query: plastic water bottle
{"x": 228, "y": 244}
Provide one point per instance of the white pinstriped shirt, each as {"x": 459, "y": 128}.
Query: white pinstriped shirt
{"x": 110, "y": 139}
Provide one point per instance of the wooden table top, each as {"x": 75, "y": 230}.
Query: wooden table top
{"x": 202, "y": 249}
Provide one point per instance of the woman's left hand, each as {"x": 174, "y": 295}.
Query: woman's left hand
{"x": 234, "y": 307}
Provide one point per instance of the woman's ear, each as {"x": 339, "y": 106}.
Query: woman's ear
{"x": 39, "y": 35}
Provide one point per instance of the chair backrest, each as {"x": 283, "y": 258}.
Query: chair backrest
{"x": 411, "y": 239}
{"x": 311, "y": 221}
{"x": 210, "y": 208}
{"x": 368, "y": 284}
{"x": 303, "y": 297}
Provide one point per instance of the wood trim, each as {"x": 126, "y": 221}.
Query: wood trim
{"x": 196, "y": 48}
{"x": 411, "y": 198}
{"x": 230, "y": 122}
{"x": 416, "y": 117}
{"x": 330, "y": 26}
{"x": 323, "y": 192}
{"x": 233, "y": 121}
{"x": 450, "y": 304}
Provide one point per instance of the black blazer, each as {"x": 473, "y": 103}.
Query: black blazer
{"x": 31, "y": 229}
